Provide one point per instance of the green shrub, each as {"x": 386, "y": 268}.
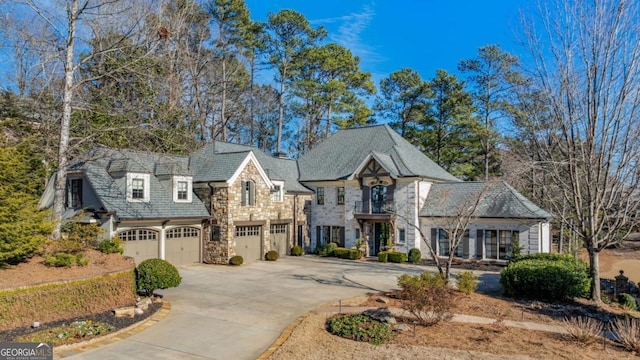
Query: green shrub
{"x": 343, "y": 253}
{"x": 627, "y": 301}
{"x": 78, "y": 236}
{"x": 383, "y": 256}
{"x": 296, "y": 251}
{"x": 360, "y": 328}
{"x": 59, "y": 260}
{"x": 236, "y": 260}
{"x": 467, "y": 282}
{"x": 154, "y": 274}
{"x": 427, "y": 296}
{"x": 545, "y": 279}
{"x": 397, "y": 257}
{"x": 271, "y": 255}
{"x": 327, "y": 250}
{"x": 81, "y": 260}
{"x": 415, "y": 256}
{"x": 545, "y": 256}
{"x": 111, "y": 246}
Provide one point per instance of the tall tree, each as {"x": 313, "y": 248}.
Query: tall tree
{"x": 450, "y": 131}
{"x": 493, "y": 76}
{"x": 287, "y": 34}
{"x": 65, "y": 29}
{"x": 402, "y": 100}
{"x": 586, "y": 65}
{"x": 232, "y": 21}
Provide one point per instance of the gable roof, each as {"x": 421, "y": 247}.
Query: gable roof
{"x": 109, "y": 183}
{"x": 218, "y": 161}
{"x": 342, "y": 154}
{"x": 496, "y": 200}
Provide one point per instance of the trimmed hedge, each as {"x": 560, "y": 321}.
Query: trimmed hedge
{"x": 351, "y": 254}
{"x": 546, "y": 278}
{"x": 383, "y": 256}
{"x": 271, "y": 255}
{"x": 545, "y": 256}
{"x": 397, "y": 257}
{"x": 236, "y": 260}
{"x": 415, "y": 255}
{"x": 153, "y": 274}
{"x": 296, "y": 251}
{"x": 53, "y": 302}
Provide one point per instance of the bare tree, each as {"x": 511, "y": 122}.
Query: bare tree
{"x": 69, "y": 26}
{"x": 586, "y": 64}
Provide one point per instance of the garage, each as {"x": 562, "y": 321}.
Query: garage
{"x": 182, "y": 245}
{"x": 140, "y": 244}
{"x": 248, "y": 243}
{"x": 279, "y": 238}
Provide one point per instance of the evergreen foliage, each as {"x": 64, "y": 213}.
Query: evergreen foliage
{"x": 153, "y": 274}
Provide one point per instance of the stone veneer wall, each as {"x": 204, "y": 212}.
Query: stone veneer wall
{"x": 227, "y": 210}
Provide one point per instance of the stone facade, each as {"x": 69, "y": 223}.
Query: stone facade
{"x": 228, "y": 212}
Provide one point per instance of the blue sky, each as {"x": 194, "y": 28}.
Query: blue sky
{"x": 425, "y": 35}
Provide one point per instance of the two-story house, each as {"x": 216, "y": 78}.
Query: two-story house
{"x": 227, "y": 199}
{"x": 371, "y": 184}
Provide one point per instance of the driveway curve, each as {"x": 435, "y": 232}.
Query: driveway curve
{"x": 222, "y": 312}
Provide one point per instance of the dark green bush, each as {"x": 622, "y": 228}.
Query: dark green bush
{"x": 360, "y": 328}
{"x": 545, "y": 256}
{"x": 111, "y": 246}
{"x": 383, "y": 256}
{"x": 397, "y": 257}
{"x": 467, "y": 282}
{"x": 59, "y": 260}
{"x": 153, "y": 274}
{"x": 271, "y": 255}
{"x": 343, "y": 253}
{"x": 627, "y": 301}
{"x": 545, "y": 279}
{"x": 296, "y": 251}
{"x": 236, "y": 260}
{"x": 327, "y": 250}
{"x": 415, "y": 256}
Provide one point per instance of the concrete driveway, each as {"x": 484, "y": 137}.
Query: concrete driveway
{"x": 222, "y": 312}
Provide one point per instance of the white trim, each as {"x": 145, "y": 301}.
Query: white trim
{"x": 280, "y": 191}
{"x": 364, "y": 163}
{"x": 146, "y": 188}
{"x": 250, "y": 157}
{"x": 189, "y": 181}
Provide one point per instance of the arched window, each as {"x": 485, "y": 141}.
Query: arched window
{"x": 248, "y": 193}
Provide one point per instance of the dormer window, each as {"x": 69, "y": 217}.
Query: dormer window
{"x": 182, "y": 189}
{"x": 138, "y": 188}
{"x": 278, "y": 193}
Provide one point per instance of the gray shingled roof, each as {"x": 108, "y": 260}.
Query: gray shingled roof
{"x": 496, "y": 200}
{"x": 110, "y": 187}
{"x": 338, "y": 156}
{"x": 219, "y": 160}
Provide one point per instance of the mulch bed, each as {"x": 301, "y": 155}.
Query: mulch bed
{"x": 106, "y": 317}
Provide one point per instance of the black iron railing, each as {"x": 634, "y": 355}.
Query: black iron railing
{"x": 373, "y": 207}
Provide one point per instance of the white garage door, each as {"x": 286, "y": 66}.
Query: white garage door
{"x": 182, "y": 245}
{"x": 140, "y": 244}
{"x": 248, "y": 241}
{"x": 279, "y": 238}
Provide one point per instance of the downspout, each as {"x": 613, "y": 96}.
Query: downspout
{"x": 295, "y": 220}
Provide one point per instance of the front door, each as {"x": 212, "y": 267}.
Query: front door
{"x": 380, "y": 236}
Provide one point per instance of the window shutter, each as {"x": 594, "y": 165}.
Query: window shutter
{"x": 252, "y": 193}
{"x": 434, "y": 240}
{"x": 479, "y": 241}
{"x": 465, "y": 244}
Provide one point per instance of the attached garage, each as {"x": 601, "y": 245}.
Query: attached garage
{"x": 249, "y": 242}
{"x": 279, "y": 238}
{"x": 182, "y": 245}
{"x": 140, "y": 244}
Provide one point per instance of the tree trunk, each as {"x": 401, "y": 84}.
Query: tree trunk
{"x": 223, "y": 106}
{"x": 594, "y": 260}
{"x": 63, "y": 156}
{"x": 281, "y": 110}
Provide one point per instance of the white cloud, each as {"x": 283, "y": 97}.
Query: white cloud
{"x": 349, "y": 33}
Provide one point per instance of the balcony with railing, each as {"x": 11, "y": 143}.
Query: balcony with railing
{"x": 373, "y": 209}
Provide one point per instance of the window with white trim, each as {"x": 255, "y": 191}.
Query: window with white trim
{"x": 182, "y": 189}
{"x": 248, "y": 193}
{"x": 402, "y": 235}
{"x": 277, "y": 194}
{"x": 320, "y": 195}
{"x": 444, "y": 245}
{"x": 278, "y": 229}
{"x": 138, "y": 234}
{"x": 138, "y": 188}
{"x": 247, "y": 231}
{"x": 340, "y": 195}
{"x": 497, "y": 243}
